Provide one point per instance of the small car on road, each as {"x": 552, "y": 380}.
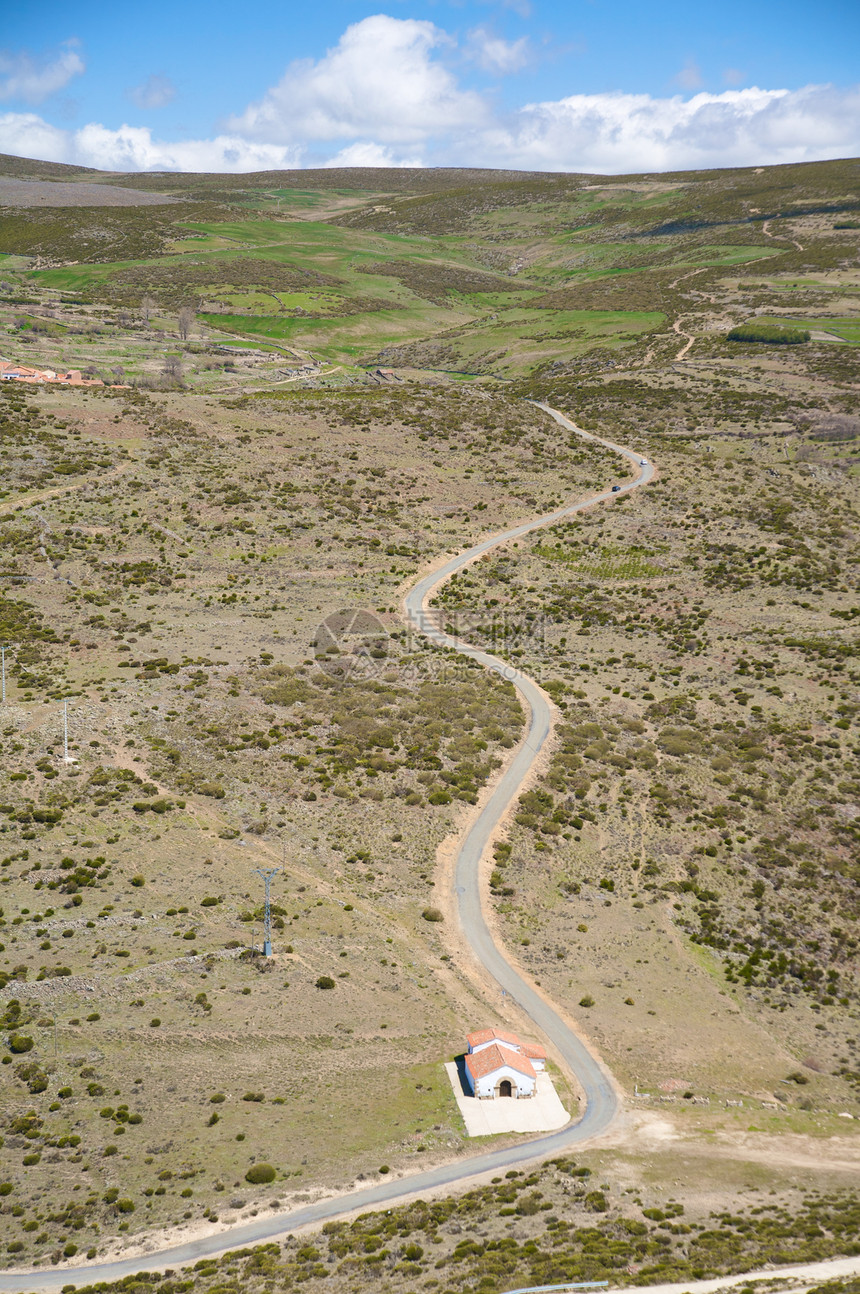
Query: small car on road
{"x": 615, "y": 489}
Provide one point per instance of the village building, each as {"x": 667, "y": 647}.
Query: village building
{"x": 498, "y": 1064}
{"x": 37, "y": 376}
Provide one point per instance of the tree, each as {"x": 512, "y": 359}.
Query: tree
{"x": 147, "y": 306}
{"x": 172, "y": 367}
{"x": 185, "y": 319}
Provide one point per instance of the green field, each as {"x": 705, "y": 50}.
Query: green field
{"x": 845, "y": 328}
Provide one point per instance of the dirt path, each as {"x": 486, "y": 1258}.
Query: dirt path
{"x": 676, "y": 327}
{"x": 691, "y": 275}
{"x": 783, "y": 238}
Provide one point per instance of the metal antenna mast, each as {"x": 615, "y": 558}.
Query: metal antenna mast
{"x": 3, "y": 653}
{"x": 267, "y": 873}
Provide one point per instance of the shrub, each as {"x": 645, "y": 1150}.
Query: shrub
{"x": 770, "y": 334}
{"x": 211, "y": 788}
{"x": 137, "y": 881}
{"x": 19, "y": 1043}
{"x": 259, "y": 1174}
{"x": 586, "y": 1001}
{"x": 125, "y": 1206}
{"x": 432, "y": 914}
{"x": 154, "y": 1022}
{"x": 325, "y": 981}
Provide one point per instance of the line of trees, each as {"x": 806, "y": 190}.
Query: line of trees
{"x": 771, "y": 334}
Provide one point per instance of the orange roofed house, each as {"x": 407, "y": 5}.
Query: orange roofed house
{"x": 38, "y": 376}
{"x": 498, "y": 1064}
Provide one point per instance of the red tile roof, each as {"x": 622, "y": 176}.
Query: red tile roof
{"x": 492, "y": 1035}
{"x": 482, "y": 1063}
{"x": 533, "y": 1052}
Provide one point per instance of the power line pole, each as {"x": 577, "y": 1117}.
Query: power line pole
{"x": 3, "y": 653}
{"x": 267, "y": 873}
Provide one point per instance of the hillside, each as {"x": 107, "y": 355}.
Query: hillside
{"x": 316, "y": 384}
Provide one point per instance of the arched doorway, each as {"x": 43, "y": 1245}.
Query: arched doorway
{"x": 505, "y": 1087}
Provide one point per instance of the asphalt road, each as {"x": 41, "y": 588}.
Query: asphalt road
{"x": 601, "y": 1101}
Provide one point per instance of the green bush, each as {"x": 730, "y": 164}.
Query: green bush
{"x": 432, "y": 914}
{"x": 325, "y": 981}
{"x": 586, "y": 1001}
{"x": 259, "y": 1174}
{"x": 770, "y": 334}
{"x": 19, "y": 1043}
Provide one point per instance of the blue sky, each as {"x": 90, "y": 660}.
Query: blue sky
{"x": 527, "y": 83}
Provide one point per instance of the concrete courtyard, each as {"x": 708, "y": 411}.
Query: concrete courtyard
{"x": 542, "y": 1112}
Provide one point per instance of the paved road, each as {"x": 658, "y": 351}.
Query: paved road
{"x": 601, "y": 1101}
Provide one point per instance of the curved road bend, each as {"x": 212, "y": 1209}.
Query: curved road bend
{"x": 601, "y": 1102}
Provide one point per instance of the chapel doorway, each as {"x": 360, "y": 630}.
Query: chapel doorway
{"x": 505, "y": 1087}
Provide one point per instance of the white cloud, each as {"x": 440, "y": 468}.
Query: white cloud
{"x": 155, "y": 92}
{"x": 494, "y": 54}
{"x": 365, "y": 153}
{"x": 25, "y": 78}
{"x": 133, "y": 148}
{"x": 617, "y": 133}
{"x": 381, "y": 82}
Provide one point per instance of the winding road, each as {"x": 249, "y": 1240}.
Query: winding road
{"x": 601, "y": 1099}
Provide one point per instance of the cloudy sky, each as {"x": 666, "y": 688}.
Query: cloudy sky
{"x": 581, "y": 85}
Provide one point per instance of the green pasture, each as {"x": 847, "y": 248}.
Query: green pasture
{"x": 518, "y": 338}
{"x": 79, "y": 278}
{"x": 604, "y": 326}
{"x": 845, "y": 327}
{"x": 341, "y": 338}
{"x": 728, "y": 254}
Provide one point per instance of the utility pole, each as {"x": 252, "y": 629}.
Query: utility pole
{"x": 267, "y": 873}
{"x": 3, "y": 654}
